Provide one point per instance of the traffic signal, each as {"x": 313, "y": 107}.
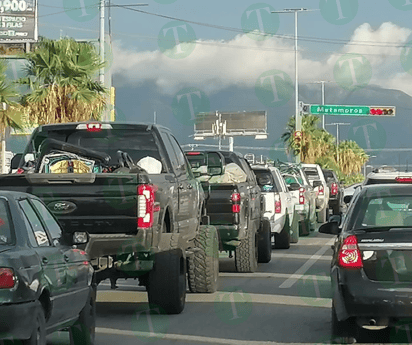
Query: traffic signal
{"x": 298, "y": 135}
{"x": 382, "y": 111}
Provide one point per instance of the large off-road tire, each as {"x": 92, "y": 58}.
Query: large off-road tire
{"x": 282, "y": 239}
{"x": 166, "y": 286}
{"x": 38, "y": 336}
{"x": 203, "y": 270}
{"x": 83, "y": 331}
{"x": 322, "y": 215}
{"x": 294, "y": 229}
{"x": 264, "y": 242}
{"x": 342, "y": 332}
{"x": 246, "y": 254}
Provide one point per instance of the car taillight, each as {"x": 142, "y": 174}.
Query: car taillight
{"x": 145, "y": 205}
{"x": 278, "y": 206}
{"x": 235, "y": 202}
{"x": 321, "y": 190}
{"x": 19, "y": 171}
{"x": 349, "y": 254}
{"x": 334, "y": 189}
{"x": 301, "y": 196}
{"x": 7, "y": 278}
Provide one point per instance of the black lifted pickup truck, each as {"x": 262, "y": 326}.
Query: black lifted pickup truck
{"x": 131, "y": 188}
{"x": 234, "y": 206}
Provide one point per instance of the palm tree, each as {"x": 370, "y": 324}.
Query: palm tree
{"x": 315, "y": 143}
{"x": 62, "y": 79}
{"x": 351, "y": 157}
{"x": 11, "y": 111}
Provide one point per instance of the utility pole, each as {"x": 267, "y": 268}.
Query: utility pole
{"x": 298, "y": 117}
{"x": 337, "y": 124}
{"x": 101, "y": 49}
{"x": 323, "y": 97}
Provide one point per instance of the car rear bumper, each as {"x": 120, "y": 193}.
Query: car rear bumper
{"x": 17, "y": 320}
{"x": 361, "y": 297}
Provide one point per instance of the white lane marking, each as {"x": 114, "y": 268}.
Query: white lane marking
{"x": 187, "y": 338}
{"x": 303, "y": 256}
{"x": 304, "y": 268}
{"x": 272, "y": 275}
{"x": 141, "y": 297}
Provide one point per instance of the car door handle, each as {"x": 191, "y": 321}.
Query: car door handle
{"x": 66, "y": 258}
{"x": 181, "y": 186}
{"x": 45, "y": 260}
{"x": 189, "y": 186}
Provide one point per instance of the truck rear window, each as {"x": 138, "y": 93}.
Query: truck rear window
{"x": 266, "y": 181}
{"x": 311, "y": 174}
{"x": 137, "y": 145}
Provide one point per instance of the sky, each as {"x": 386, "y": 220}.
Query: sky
{"x": 178, "y": 57}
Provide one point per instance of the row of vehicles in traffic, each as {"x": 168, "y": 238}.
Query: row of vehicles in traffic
{"x": 93, "y": 201}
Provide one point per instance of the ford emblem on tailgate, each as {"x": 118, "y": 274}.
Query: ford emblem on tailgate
{"x": 62, "y": 207}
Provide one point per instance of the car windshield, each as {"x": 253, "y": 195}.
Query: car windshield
{"x": 386, "y": 211}
{"x": 6, "y": 228}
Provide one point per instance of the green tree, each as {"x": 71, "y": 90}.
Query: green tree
{"x": 11, "y": 116}
{"x": 62, "y": 78}
{"x": 318, "y": 146}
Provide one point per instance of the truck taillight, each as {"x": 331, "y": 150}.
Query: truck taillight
{"x": 301, "y": 196}
{"x": 334, "y": 189}
{"x": 235, "y": 202}
{"x": 278, "y": 206}
{"x": 321, "y": 190}
{"x": 349, "y": 254}
{"x": 145, "y": 205}
{"x": 7, "y": 278}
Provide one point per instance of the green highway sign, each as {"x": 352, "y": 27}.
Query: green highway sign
{"x": 348, "y": 110}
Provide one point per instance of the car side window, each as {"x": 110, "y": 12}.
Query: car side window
{"x": 178, "y": 152}
{"x": 51, "y": 224}
{"x": 170, "y": 151}
{"x": 35, "y": 224}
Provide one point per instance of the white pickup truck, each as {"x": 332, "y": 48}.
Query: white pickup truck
{"x": 279, "y": 206}
{"x": 315, "y": 176}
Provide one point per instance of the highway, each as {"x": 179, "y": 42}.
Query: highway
{"x": 285, "y": 301}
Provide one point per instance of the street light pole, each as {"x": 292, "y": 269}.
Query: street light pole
{"x": 337, "y": 136}
{"x": 298, "y": 118}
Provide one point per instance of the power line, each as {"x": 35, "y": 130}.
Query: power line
{"x": 301, "y": 38}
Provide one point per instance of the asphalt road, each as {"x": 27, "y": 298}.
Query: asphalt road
{"x": 285, "y": 301}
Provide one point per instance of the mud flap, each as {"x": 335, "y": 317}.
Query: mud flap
{"x": 169, "y": 241}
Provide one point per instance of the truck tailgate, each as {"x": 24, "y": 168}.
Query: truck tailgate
{"x": 98, "y": 203}
{"x": 219, "y": 203}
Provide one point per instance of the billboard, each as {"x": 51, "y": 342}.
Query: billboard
{"x": 18, "y": 21}
{"x": 232, "y": 123}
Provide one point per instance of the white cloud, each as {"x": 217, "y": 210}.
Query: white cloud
{"x": 216, "y": 65}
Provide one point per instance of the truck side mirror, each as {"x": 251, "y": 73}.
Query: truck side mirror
{"x": 347, "y": 199}
{"x": 15, "y": 161}
{"x": 294, "y": 186}
{"x": 214, "y": 163}
{"x": 317, "y": 183}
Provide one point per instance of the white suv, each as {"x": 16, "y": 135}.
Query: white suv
{"x": 314, "y": 174}
{"x": 279, "y": 205}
